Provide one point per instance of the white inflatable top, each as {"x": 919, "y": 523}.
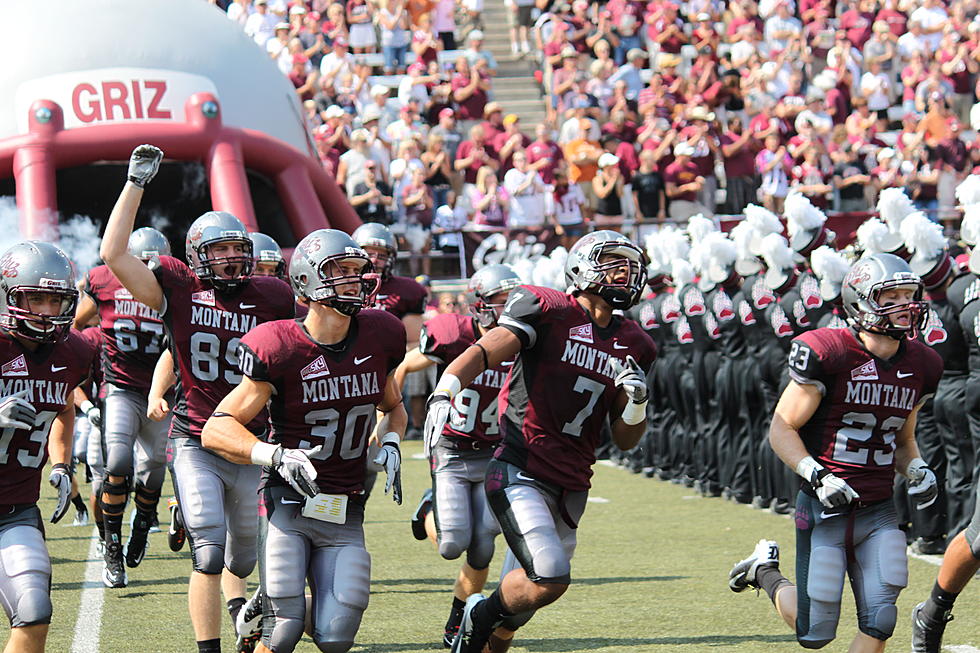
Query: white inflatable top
{"x": 131, "y": 61}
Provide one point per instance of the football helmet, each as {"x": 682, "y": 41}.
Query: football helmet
{"x": 36, "y": 267}
{"x": 210, "y": 229}
{"x": 373, "y": 234}
{"x": 316, "y": 275}
{"x": 863, "y": 286}
{"x": 484, "y": 284}
{"x": 267, "y": 250}
{"x": 584, "y": 272}
{"x": 148, "y": 245}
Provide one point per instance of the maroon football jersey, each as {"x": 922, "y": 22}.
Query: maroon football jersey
{"x": 560, "y": 389}
{"x": 400, "y": 296}
{"x": 866, "y": 400}
{"x": 94, "y": 387}
{"x": 205, "y": 327}
{"x": 442, "y": 339}
{"x": 132, "y": 333}
{"x": 326, "y": 395}
{"x": 49, "y": 374}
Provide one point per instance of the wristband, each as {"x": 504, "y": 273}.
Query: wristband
{"x": 264, "y": 453}
{"x": 389, "y": 438}
{"x": 808, "y": 468}
{"x": 915, "y": 465}
{"x": 634, "y": 413}
{"x": 448, "y": 384}
{"x": 86, "y": 406}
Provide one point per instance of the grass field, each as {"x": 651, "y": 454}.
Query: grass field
{"x": 650, "y": 574}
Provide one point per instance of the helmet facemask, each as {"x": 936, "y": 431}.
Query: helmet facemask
{"x": 876, "y": 318}
{"x": 595, "y": 278}
{"x": 275, "y": 258}
{"x": 383, "y": 262}
{"x": 39, "y": 327}
{"x": 205, "y": 264}
{"x": 482, "y": 307}
{"x": 332, "y": 278}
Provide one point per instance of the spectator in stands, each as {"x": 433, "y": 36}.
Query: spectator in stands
{"x": 630, "y": 73}
{"x": 488, "y": 201}
{"x": 608, "y": 188}
{"x": 912, "y": 42}
{"x": 416, "y": 197}
{"x": 400, "y": 175}
{"x": 470, "y": 87}
{"x": 408, "y": 126}
{"x": 876, "y": 88}
{"x": 924, "y": 183}
{"x": 773, "y": 164}
{"x": 648, "y": 190}
{"x": 448, "y": 130}
{"x": 888, "y": 173}
{"x": 474, "y": 52}
{"x": 414, "y": 86}
{"x": 473, "y": 155}
{"x": 335, "y": 63}
{"x": 569, "y": 206}
{"x": 782, "y": 27}
{"x": 303, "y": 76}
{"x": 960, "y": 68}
{"x": 493, "y": 122}
{"x": 239, "y": 11}
{"x": 371, "y": 197}
{"x": 360, "y": 26}
{"x": 336, "y": 24}
{"x": 812, "y": 176}
{"x": 582, "y": 155}
{"x": 738, "y": 153}
{"x": 509, "y": 141}
{"x": 527, "y": 194}
{"x": 683, "y": 183}
{"x": 444, "y": 22}
{"x": 850, "y": 178}
{"x": 544, "y": 155}
{"x": 952, "y": 159}
{"x": 418, "y": 12}
{"x": 353, "y": 162}
{"x": 277, "y": 44}
{"x": 389, "y": 108}
{"x": 261, "y": 25}
{"x": 523, "y": 9}
{"x": 932, "y": 16}
{"x": 425, "y": 44}
{"x": 665, "y": 28}
{"x": 395, "y": 36}
{"x": 438, "y": 171}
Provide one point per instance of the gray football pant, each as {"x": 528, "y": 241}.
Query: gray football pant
{"x": 125, "y": 424}
{"x": 25, "y": 569}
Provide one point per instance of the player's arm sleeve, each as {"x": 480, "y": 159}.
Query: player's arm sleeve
{"x": 253, "y": 361}
{"x": 805, "y": 365}
{"x": 396, "y": 344}
{"x": 416, "y": 305}
{"x": 522, "y": 315}
{"x": 171, "y": 274}
{"x": 429, "y": 345}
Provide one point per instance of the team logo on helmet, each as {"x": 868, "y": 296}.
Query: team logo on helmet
{"x": 15, "y": 367}
{"x": 315, "y": 370}
{"x": 859, "y": 274}
{"x": 8, "y": 266}
{"x": 865, "y": 372}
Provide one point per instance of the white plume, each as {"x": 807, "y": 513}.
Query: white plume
{"x": 699, "y": 226}
{"x": 700, "y": 256}
{"x": 828, "y": 264}
{"x": 720, "y": 248}
{"x": 922, "y": 236}
{"x": 741, "y": 235}
{"x": 681, "y": 272}
{"x": 776, "y": 252}
{"x": 659, "y": 262}
{"x": 549, "y": 271}
{"x": 416, "y": 237}
{"x": 968, "y": 192}
{"x": 871, "y": 234}
{"x": 674, "y": 244}
{"x": 801, "y": 214}
{"x": 970, "y": 226}
{"x": 525, "y": 270}
{"x": 763, "y": 220}
{"x": 893, "y": 207}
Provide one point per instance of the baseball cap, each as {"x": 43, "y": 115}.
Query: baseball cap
{"x": 340, "y": 40}
{"x": 491, "y": 107}
{"x": 334, "y": 111}
{"x": 475, "y": 35}
{"x": 608, "y": 159}
{"x": 371, "y": 112}
{"x": 510, "y": 118}
{"x": 280, "y": 26}
{"x": 448, "y": 111}
{"x": 379, "y": 89}
{"x": 297, "y": 9}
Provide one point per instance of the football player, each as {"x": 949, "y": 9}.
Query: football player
{"x": 460, "y": 520}
{"x": 578, "y": 362}
{"x": 402, "y": 297}
{"x": 132, "y": 340}
{"x": 41, "y": 362}
{"x": 267, "y": 257}
{"x": 846, "y": 424}
{"x": 323, "y": 379}
{"x": 207, "y": 305}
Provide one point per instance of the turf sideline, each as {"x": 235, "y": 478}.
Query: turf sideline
{"x": 89, "y": 622}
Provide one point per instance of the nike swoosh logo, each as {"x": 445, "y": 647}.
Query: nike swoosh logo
{"x": 828, "y": 515}
{"x": 616, "y": 345}
{"x": 245, "y": 307}
{"x": 287, "y": 502}
{"x": 58, "y": 369}
{"x": 903, "y": 375}
{"x": 523, "y": 477}
{"x": 358, "y": 361}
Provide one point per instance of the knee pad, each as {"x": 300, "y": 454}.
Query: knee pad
{"x": 452, "y": 544}
{"x": 241, "y": 562}
{"x": 881, "y": 624}
{"x": 341, "y": 595}
{"x": 515, "y": 621}
{"x": 33, "y": 607}
{"x": 209, "y": 559}
{"x": 284, "y": 621}
{"x": 480, "y": 552}
{"x": 334, "y": 647}
{"x": 114, "y": 490}
{"x": 119, "y": 463}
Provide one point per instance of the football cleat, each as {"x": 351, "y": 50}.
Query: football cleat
{"x": 743, "y": 574}
{"x": 418, "y": 517}
{"x": 248, "y": 623}
{"x": 138, "y": 542}
{"x": 114, "y": 574}
{"x": 473, "y": 633}
{"x": 154, "y": 522}
{"x": 176, "y": 533}
{"x": 448, "y": 636}
{"x": 927, "y": 635}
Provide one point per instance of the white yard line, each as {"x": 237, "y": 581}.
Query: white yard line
{"x": 933, "y": 560}
{"x": 89, "y": 622}
{"x": 961, "y": 648}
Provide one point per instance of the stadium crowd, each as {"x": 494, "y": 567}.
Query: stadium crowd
{"x": 656, "y": 110}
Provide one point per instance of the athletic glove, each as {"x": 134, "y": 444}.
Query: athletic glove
{"x": 390, "y": 457}
{"x": 833, "y": 491}
{"x": 16, "y": 412}
{"x": 630, "y": 378}
{"x": 60, "y": 479}
{"x": 144, "y": 163}
{"x": 437, "y": 410}
{"x": 93, "y": 413}
{"x": 923, "y": 487}
{"x": 294, "y": 466}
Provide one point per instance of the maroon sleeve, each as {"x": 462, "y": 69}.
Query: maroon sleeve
{"x": 437, "y": 338}
{"x": 174, "y": 275}
{"x": 524, "y": 312}
{"x": 255, "y": 356}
